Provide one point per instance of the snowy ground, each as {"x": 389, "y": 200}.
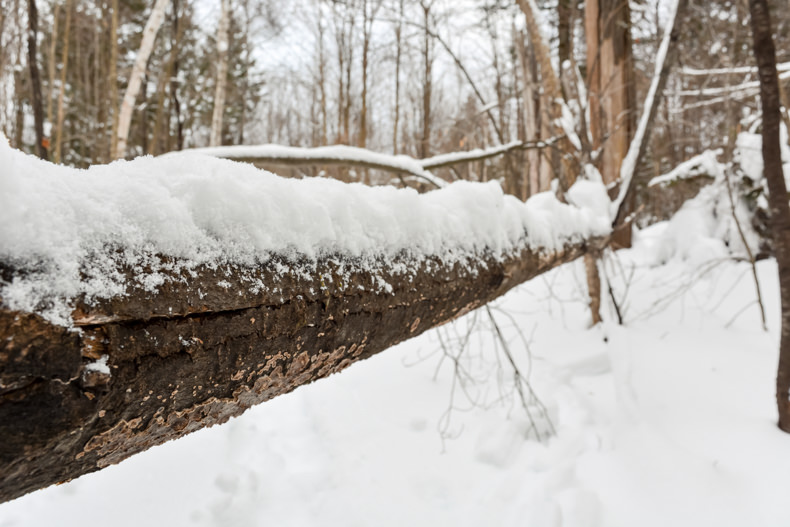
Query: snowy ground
{"x": 666, "y": 421}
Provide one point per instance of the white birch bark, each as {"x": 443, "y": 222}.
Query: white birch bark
{"x": 135, "y": 79}
{"x": 222, "y": 74}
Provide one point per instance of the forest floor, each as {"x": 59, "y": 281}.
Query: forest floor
{"x": 667, "y": 420}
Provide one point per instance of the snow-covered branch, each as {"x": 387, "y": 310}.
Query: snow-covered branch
{"x": 706, "y": 92}
{"x": 738, "y": 70}
{"x": 278, "y": 155}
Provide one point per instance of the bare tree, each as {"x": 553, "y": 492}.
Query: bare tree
{"x": 765, "y": 53}
{"x": 62, "y": 91}
{"x": 135, "y": 79}
{"x": 35, "y": 78}
{"x": 222, "y": 74}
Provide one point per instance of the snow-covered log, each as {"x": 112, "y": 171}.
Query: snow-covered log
{"x": 145, "y": 300}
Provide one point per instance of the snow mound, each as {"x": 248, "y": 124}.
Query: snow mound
{"x": 70, "y": 230}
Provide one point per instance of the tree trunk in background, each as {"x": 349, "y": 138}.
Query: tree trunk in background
{"x": 427, "y": 79}
{"x": 62, "y": 91}
{"x": 35, "y": 79}
{"x": 135, "y": 79}
{"x": 610, "y": 82}
{"x": 114, "y": 78}
{"x": 765, "y": 53}
{"x": 51, "y": 66}
{"x": 564, "y": 17}
{"x": 222, "y": 75}
{"x": 174, "y": 83}
{"x": 565, "y": 168}
{"x": 532, "y": 115}
{"x": 398, "y": 51}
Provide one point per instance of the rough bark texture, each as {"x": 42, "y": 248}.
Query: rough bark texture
{"x": 198, "y": 352}
{"x": 765, "y": 53}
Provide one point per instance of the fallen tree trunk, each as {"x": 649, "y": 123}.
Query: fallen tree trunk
{"x": 203, "y": 349}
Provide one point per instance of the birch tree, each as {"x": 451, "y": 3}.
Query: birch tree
{"x": 146, "y": 46}
{"x": 222, "y": 74}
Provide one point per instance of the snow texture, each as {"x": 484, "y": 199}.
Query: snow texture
{"x": 100, "y": 365}
{"x": 72, "y": 229}
{"x": 704, "y": 164}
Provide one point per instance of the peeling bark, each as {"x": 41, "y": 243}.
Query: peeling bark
{"x": 198, "y": 352}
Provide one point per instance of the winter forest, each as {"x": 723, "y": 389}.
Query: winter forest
{"x": 395, "y": 262}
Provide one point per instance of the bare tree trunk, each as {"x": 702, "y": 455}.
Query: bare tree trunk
{"x": 564, "y": 16}
{"x": 222, "y": 75}
{"x": 636, "y": 150}
{"x": 765, "y": 53}
{"x": 532, "y": 125}
{"x": 593, "y": 285}
{"x": 146, "y": 46}
{"x": 52, "y": 59}
{"x": 610, "y": 82}
{"x": 398, "y": 52}
{"x": 174, "y": 84}
{"x": 425, "y": 140}
{"x": 62, "y": 92}
{"x": 114, "y": 78}
{"x": 35, "y": 78}
{"x": 565, "y": 169}
{"x": 322, "y": 80}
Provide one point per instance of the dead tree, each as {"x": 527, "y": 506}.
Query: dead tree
{"x": 204, "y": 348}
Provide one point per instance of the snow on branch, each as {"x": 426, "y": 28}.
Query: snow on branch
{"x": 752, "y": 86}
{"x": 739, "y": 70}
{"x": 278, "y": 155}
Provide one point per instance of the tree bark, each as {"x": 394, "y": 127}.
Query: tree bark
{"x": 639, "y": 144}
{"x": 427, "y": 82}
{"x": 222, "y": 75}
{"x": 610, "y": 82}
{"x": 135, "y": 79}
{"x": 62, "y": 91}
{"x": 114, "y": 78}
{"x": 197, "y": 353}
{"x": 765, "y": 53}
{"x": 35, "y": 78}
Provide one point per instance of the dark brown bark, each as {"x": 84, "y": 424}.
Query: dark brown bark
{"x": 765, "y": 53}
{"x": 35, "y": 78}
{"x": 425, "y": 139}
{"x": 197, "y": 353}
